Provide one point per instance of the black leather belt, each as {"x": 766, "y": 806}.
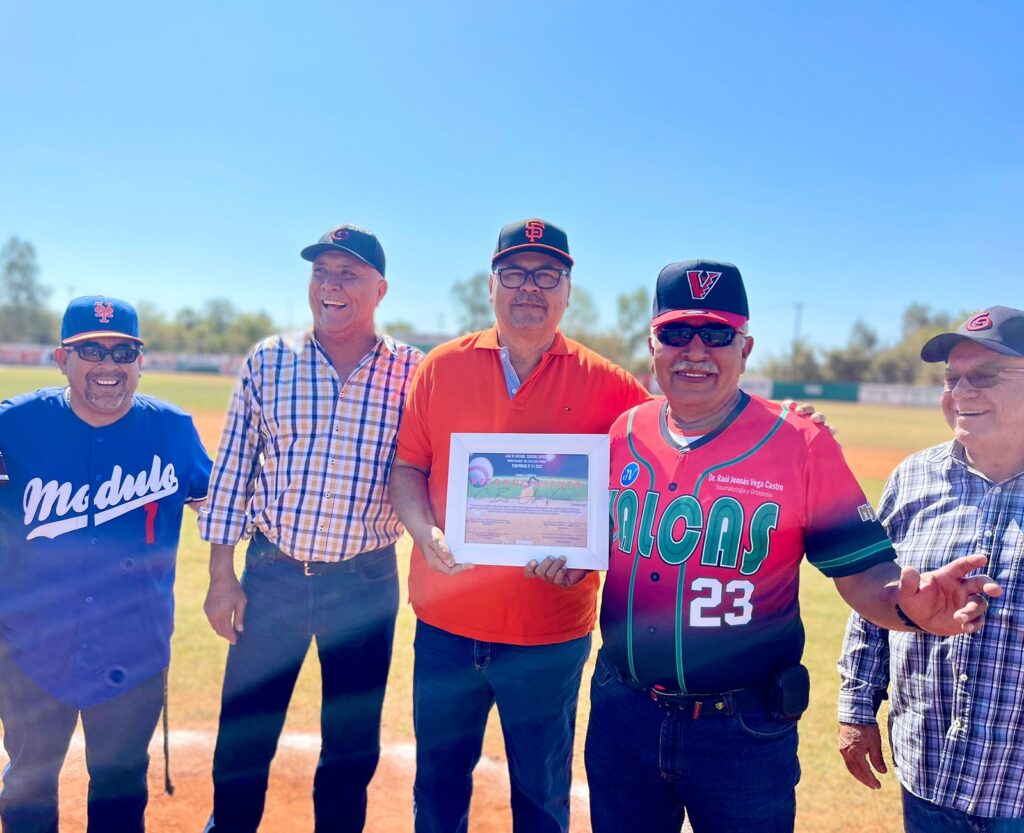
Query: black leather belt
{"x": 263, "y": 549}
{"x": 728, "y": 702}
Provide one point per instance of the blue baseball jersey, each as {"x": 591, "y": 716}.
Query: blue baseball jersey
{"x": 89, "y": 526}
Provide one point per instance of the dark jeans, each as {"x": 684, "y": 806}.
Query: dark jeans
{"x": 37, "y": 733}
{"x": 455, "y": 682}
{"x": 731, "y": 771}
{"x": 920, "y": 816}
{"x": 351, "y": 615}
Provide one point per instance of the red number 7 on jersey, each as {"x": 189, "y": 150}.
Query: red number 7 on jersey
{"x": 151, "y": 521}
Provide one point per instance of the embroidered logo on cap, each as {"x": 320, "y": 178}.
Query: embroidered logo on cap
{"x": 104, "y": 312}
{"x": 534, "y": 230}
{"x": 701, "y": 283}
{"x": 981, "y": 321}
{"x": 339, "y": 234}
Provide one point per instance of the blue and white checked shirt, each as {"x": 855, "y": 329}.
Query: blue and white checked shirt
{"x": 957, "y": 703}
{"x": 305, "y": 455}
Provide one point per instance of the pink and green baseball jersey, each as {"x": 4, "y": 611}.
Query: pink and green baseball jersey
{"x": 702, "y": 588}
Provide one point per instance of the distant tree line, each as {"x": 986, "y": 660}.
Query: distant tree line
{"x": 865, "y": 358}
{"x": 220, "y": 327}
{"x": 24, "y": 316}
{"x": 216, "y": 327}
{"x": 625, "y": 343}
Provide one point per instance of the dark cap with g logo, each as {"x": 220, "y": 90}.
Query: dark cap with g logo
{"x": 1000, "y": 329}
{"x": 352, "y": 239}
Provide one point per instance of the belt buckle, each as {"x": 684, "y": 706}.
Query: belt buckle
{"x": 307, "y": 568}
{"x": 666, "y": 699}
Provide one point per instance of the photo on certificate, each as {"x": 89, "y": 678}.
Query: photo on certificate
{"x": 516, "y": 497}
{"x": 513, "y": 498}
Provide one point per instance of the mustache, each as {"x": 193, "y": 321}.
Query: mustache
{"x": 682, "y": 366}
{"x": 530, "y": 299}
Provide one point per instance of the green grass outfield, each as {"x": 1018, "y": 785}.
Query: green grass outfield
{"x": 830, "y": 801}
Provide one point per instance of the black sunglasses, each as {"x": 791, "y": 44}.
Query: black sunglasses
{"x": 90, "y": 351}
{"x": 679, "y": 335}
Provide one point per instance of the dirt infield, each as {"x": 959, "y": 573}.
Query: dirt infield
{"x": 874, "y": 462}
{"x": 209, "y": 425}
{"x": 289, "y": 804}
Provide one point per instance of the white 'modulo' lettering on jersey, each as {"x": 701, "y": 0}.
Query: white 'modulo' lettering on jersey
{"x": 118, "y": 494}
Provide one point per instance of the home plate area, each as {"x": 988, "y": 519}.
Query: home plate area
{"x": 289, "y": 806}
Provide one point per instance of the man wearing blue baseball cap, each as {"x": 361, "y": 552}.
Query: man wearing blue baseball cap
{"x": 301, "y": 476}
{"x": 93, "y": 482}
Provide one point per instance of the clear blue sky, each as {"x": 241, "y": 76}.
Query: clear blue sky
{"x": 850, "y": 157}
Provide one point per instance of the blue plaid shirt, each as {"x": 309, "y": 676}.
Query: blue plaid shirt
{"x": 957, "y": 703}
{"x": 305, "y": 455}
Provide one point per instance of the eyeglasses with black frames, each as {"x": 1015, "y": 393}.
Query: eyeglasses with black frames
{"x": 679, "y": 335}
{"x": 90, "y": 351}
{"x": 545, "y": 278}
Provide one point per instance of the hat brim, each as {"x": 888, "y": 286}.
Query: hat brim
{"x": 938, "y": 348}
{"x": 311, "y": 253}
{"x": 534, "y": 247}
{"x": 100, "y": 334}
{"x": 700, "y": 316}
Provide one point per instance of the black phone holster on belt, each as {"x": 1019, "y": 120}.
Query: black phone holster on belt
{"x": 789, "y": 693}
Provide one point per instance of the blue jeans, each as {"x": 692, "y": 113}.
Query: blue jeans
{"x": 921, "y": 816}
{"x": 351, "y": 615}
{"x": 37, "y": 733}
{"x": 731, "y": 771}
{"x": 455, "y": 682}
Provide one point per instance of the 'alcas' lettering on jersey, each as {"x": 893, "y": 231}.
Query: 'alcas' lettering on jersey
{"x": 682, "y": 527}
{"x": 117, "y": 495}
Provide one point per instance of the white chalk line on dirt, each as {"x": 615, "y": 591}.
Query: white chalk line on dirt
{"x": 402, "y": 754}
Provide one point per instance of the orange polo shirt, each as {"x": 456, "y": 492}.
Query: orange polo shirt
{"x": 460, "y": 387}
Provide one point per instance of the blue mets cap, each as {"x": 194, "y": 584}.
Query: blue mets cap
{"x": 97, "y": 316}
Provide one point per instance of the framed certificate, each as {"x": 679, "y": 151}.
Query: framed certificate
{"x": 513, "y": 498}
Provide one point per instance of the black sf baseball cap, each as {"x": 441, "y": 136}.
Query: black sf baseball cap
{"x": 352, "y": 239}
{"x": 533, "y": 236}
{"x": 97, "y": 316}
{"x": 1000, "y": 329}
{"x": 701, "y": 292}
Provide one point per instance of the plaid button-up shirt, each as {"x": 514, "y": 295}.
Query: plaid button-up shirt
{"x": 305, "y": 455}
{"x": 957, "y": 707}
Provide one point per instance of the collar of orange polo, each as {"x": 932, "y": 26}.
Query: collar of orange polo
{"x": 488, "y": 340}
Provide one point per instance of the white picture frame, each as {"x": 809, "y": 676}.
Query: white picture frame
{"x": 554, "y": 502}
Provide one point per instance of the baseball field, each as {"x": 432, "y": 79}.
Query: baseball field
{"x": 830, "y": 801}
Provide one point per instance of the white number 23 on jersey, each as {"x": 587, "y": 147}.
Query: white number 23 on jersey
{"x": 709, "y": 596}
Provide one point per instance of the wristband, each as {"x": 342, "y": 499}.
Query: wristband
{"x": 906, "y": 620}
